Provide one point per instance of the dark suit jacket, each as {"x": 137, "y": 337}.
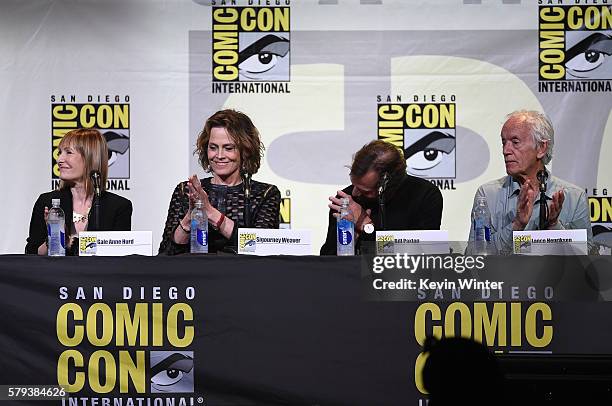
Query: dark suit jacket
{"x": 115, "y": 215}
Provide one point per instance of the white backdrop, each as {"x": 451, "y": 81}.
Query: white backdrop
{"x": 345, "y": 59}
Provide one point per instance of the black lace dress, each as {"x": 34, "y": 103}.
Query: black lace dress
{"x": 229, "y": 200}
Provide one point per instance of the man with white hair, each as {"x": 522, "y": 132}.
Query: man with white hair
{"x": 527, "y": 142}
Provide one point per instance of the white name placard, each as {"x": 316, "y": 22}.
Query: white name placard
{"x": 413, "y": 242}
{"x": 550, "y": 242}
{"x": 115, "y": 243}
{"x": 263, "y": 241}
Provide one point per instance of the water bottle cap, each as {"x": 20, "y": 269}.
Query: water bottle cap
{"x": 345, "y": 201}
{"x": 481, "y": 200}
{"x": 198, "y": 203}
{"x": 55, "y": 202}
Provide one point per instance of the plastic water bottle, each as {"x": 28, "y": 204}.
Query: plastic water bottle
{"x": 345, "y": 231}
{"x": 199, "y": 230}
{"x": 56, "y": 222}
{"x": 481, "y": 223}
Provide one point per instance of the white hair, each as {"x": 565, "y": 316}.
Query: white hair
{"x": 541, "y": 130}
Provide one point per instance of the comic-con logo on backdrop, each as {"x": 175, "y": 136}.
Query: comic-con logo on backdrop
{"x": 110, "y": 115}
{"x": 575, "y": 47}
{"x": 425, "y": 133}
{"x": 600, "y": 207}
{"x": 250, "y": 47}
{"x": 126, "y": 345}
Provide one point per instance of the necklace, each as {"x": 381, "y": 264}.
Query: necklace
{"x": 78, "y": 217}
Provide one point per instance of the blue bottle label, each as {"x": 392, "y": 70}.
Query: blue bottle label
{"x": 482, "y": 232}
{"x": 53, "y": 229}
{"x": 345, "y": 236}
{"x": 202, "y": 237}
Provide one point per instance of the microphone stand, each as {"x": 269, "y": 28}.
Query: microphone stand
{"x": 543, "y": 222}
{"x": 247, "y": 200}
{"x": 95, "y": 176}
{"x": 96, "y": 207}
{"x": 381, "y": 199}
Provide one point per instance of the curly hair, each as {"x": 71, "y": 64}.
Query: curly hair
{"x": 241, "y": 130}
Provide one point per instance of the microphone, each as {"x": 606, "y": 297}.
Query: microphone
{"x": 383, "y": 184}
{"x": 247, "y": 185}
{"x": 96, "y": 179}
{"x": 542, "y": 178}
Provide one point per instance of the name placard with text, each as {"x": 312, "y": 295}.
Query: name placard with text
{"x": 115, "y": 243}
{"x": 550, "y": 242}
{"x": 412, "y": 242}
{"x": 263, "y": 241}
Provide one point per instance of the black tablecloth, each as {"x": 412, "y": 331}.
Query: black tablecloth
{"x": 267, "y": 330}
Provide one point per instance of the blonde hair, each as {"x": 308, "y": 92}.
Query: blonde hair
{"x": 90, "y": 143}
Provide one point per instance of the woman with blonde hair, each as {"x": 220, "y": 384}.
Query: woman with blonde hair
{"x": 81, "y": 152}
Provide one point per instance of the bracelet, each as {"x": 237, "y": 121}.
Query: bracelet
{"x": 183, "y": 228}
{"x": 220, "y": 222}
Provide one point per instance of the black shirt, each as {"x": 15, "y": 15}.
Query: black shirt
{"x": 115, "y": 215}
{"x": 265, "y": 206}
{"x": 415, "y": 204}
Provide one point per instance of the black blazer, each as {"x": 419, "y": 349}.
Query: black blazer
{"x": 115, "y": 215}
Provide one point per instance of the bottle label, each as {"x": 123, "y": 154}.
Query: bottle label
{"x": 54, "y": 233}
{"x": 345, "y": 235}
{"x": 482, "y": 232}
{"x": 202, "y": 237}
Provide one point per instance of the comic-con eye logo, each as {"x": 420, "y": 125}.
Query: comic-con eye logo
{"x": 385, "y": 244}
{"x": 522, "y": 244}
{"x": 601, "y": 219}
{"x": 575, "y": 44}
{"x": 247, "y": 242}
{"x": 88, "y": 245}
{"x": 118, "y": 143}
{"x": 426, "y": 135}
{"x": 171, "y": 372}
{"x": 250, "y": 44}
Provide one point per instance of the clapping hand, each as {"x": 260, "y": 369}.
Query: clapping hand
{"x": 195, "y": 192}
{"x": 524, "y": 206}
{"x": 554, "y": 208}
